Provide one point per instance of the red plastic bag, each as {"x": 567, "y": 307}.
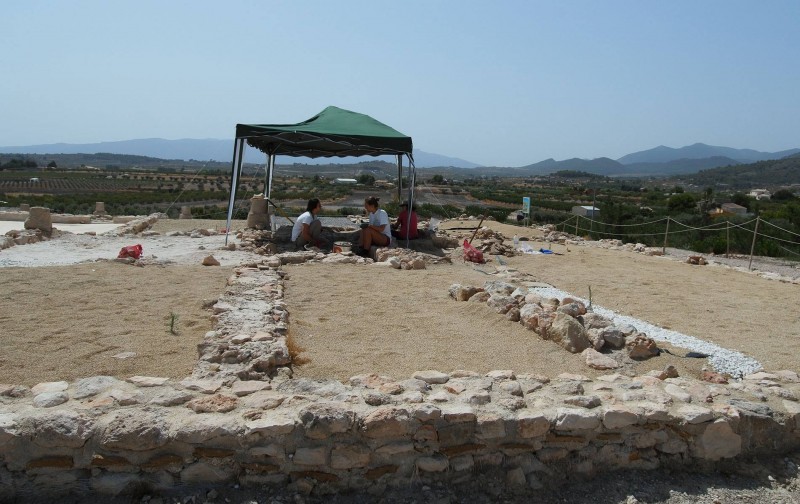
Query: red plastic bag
{"x": 472, "y": 254}
{"x": 130, "y": 251}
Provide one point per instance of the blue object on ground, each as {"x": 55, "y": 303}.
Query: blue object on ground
{"x": 545, "y": 251}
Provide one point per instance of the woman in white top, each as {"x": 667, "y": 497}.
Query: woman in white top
{"x": 378, "y": 231}
{"x": 308, "y": 228}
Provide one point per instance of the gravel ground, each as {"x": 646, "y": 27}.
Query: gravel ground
{"x": 782, "y": 267}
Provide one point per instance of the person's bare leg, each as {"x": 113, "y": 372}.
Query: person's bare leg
{"x": 316, "y": 234}
{"x": 316, "y": 229}
{"x": 378, "y": 238}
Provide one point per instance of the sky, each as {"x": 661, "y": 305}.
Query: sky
{"x": 505, "y": 83}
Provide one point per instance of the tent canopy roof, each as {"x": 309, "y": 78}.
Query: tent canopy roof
{"x": 332, "y": 132}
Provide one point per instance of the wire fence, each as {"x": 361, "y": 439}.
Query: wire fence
{"x": 725, "y": 237}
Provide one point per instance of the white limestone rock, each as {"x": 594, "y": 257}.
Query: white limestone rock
{"x": 50, "y": 399}
{"x": 432, "y": 376}
{"x": 147, "y": 381}
{"x": 720, "y": 441}
{"x": 58, "y": 386}
{"x": 569, "y": 333}
{"x": 576, "y": 419}
{"x": 323, "y": 419}
{"x": 86, "y": 387}
{"x": 61, "y": 428}
{"x": 596, "y": 360}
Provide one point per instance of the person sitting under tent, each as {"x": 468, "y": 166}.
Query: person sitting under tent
{"x": 378, "y": 230}
{"x": 307, "y": 229}
{"x": 405, "y": 227}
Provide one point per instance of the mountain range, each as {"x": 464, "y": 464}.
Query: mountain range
{"x": 207, "y": 149}
{"x": 658, "y": 161}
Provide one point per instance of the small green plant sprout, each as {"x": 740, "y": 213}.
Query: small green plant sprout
{"x": 173, "y": 323}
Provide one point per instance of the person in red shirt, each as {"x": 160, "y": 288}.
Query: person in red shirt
{"x": 402, "y": 228}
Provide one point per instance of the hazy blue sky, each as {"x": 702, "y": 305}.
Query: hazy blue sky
{"x": 503, "y": 83}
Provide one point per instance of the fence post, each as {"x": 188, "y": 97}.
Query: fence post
{"x": 753, "y": 245}
{"x": 727, "y": 238}
{"x": 666, "y": 232}
{"x": 577, "y": 219}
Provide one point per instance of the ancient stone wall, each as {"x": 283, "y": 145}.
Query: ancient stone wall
{"x": 242, "y": 418}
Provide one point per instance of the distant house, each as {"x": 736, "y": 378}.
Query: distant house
{"x": 760, "y": 194}
{"x": 345, "y": 181}
{"x": 734, "y": 208}
{"x": 586, "y": 211}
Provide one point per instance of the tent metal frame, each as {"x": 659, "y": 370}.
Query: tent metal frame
{"x": 355, "y": 151}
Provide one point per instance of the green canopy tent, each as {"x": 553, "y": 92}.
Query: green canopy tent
{"x": 332, "y": 132}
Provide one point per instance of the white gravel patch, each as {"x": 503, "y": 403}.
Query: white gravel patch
{"x": 721, "y": 359}
{"x": 6, "y": 226}
{"x": 69, "y": 248}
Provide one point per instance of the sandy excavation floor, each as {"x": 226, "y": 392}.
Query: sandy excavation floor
{"x": 350, "y": 324}
{"x": 69, "y": 321}
{"x": 355, "y": 327}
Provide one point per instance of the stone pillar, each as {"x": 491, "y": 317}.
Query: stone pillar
{"x": 24, "y": 207}
{"x": 39, "y": 218}
{"x": 258, "y": 217}
{"x": 186, "y": 213}
{"x": 100, "y": 209}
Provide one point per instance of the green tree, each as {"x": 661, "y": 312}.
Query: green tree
{"x": 707, "y": 203}
{"x": 741, "y": 199}
{"x": 437, "y": 179}
{"x": 680, "y": 202}
{"x": 783, "y": 195}
{"x": 366, "y": 179}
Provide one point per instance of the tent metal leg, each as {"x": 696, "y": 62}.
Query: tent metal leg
{"x": 236, "y": 168}
{"x": 270, "y": 173}
{"x": 399, "y": 177}
{"x": 266, "y": 175}
{"x": 412, "y": 183}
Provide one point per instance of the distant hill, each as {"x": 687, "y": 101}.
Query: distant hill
{"x": 677, "y": 166}
{"x": 207, "y": 149}
{"x": 660, "y": 162}
{"x": 424, "y": 159}
{"x": 600, "y": 166}
{"x": 663, "y": 154}
{"x": 186, "y": 149}
{"x": 657, "y": 162}
{"x": 108, "y": 160}
{"x": 773, "y": 174}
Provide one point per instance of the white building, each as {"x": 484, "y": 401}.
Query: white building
{"x": 345, "y": 181}
{"x": 760, "y": 194}
{"x": 734, "y": 208}
{"x": 586, "y": 211}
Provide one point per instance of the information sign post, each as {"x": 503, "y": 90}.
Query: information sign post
{"x": 526, "y": 210}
